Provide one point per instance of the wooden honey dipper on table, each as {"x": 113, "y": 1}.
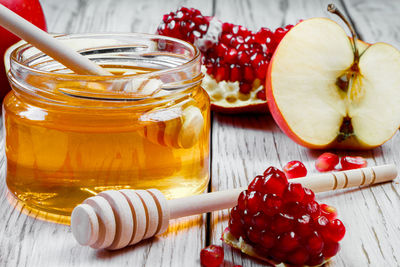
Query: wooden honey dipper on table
{"x": 116, "y": 219}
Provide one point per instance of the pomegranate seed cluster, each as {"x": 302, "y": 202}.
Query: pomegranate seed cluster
{"x": 186, "y": 24}
{"x": 242, "y": 55}
{"x": 282, "y": 221}
{"x": 238, "y": 55}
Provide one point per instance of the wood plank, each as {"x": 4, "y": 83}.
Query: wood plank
{"x": 244, "y": 146}
{"x": 29, "y": 241}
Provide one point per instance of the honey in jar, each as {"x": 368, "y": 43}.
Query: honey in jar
{"x": 69, "y": 136}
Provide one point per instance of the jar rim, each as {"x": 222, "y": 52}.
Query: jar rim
{"x": 152, "y": 45}
{"x": 25, "y": 46}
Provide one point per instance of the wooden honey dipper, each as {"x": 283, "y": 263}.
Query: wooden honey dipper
{"x": 116, "y": 219}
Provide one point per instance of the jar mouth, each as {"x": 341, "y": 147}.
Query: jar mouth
{"x": 173, "y": 63}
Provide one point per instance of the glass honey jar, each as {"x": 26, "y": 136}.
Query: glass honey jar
{"x": 69, "y": 136}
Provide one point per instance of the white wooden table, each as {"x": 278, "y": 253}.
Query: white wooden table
{"x": 242, "y": 146}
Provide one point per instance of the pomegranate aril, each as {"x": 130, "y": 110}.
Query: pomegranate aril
{"x": 261, "y": 95}
{"x": 294, "y": 169}
{"x": 313, "y": 209}
{"x": 242, "y": 200}
{"x": 304, "y": 226}
{"x": 294, "y": 192}
{"x": 288, "y": 241}
{"x": 267, "y": 240}
{"x": 235, "y": 73}
{"x": 330, "y": 249}
{"x": 245, "y": 88}
{"x": 326, "y": 162}
{"x": 260, "y": 221}
{"x": 314, "y": 243}
{"x": 257, "y": 183}
{"x": 236, "y": 227}
{"x": 235, "y": 213}
{"x": 248, "y": 74}
{"x": 247, "y": 217}
{"x": 254, "y": 235}
{"x": 298, "y": 257}
{"x": 261, "y": 70}
{"x": 275, "y": 183}
{"x": 349, "y": 163}
{"x": 254, "y": 201}
{"x": 243, "y": 57}
{"x": 222, "y": 73}
{"x": 271, "y": 204}
{"x": 328, "y": 211}
{"x": 309, "y": 195}
{"x": 335, "y": 230}
{"x": 231, "y": 55}
{"x": 315, "y": 260}
{"x": 282, "y": 223}
{"x": 212, "y": 256}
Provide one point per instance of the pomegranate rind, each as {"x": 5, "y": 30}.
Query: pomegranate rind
{"x": 240, "y": 244}
{"x": 226, "y": 98}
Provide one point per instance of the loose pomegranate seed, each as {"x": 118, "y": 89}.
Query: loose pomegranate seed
{"x": 349, "y": 163}
{"x": 326, "y": 162}
{"x": 294, "y": 192}
{"x": 328, "y": 211}
{"x": 212, "y": 256}
{"x": 294, "y": 169}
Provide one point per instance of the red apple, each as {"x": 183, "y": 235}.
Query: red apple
{"x": 32, "y": 11}
{"x": 323, "y": 94}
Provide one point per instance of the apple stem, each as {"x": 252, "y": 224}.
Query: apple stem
{"x": 334, "y": 10}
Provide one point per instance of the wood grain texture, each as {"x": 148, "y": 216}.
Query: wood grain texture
{"x": 244, "y": 146}
{"x": 27, "y": 240}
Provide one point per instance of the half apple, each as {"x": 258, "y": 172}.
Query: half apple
{"x": 323, "y": 94}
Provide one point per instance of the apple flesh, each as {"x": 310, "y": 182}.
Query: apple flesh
{"x": 323, "y": 96}
{"x": 29, "y": 10}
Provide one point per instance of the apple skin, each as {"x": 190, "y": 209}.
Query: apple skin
{"x": 349, "y": 143}
{"x": 32, "y": 11}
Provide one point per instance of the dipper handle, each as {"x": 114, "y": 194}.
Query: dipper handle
{"x": 116, "y": 219}
{"x": 47, "y": 44}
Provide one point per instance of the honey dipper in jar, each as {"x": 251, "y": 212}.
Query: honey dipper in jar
{"x": 97, "y": 112}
